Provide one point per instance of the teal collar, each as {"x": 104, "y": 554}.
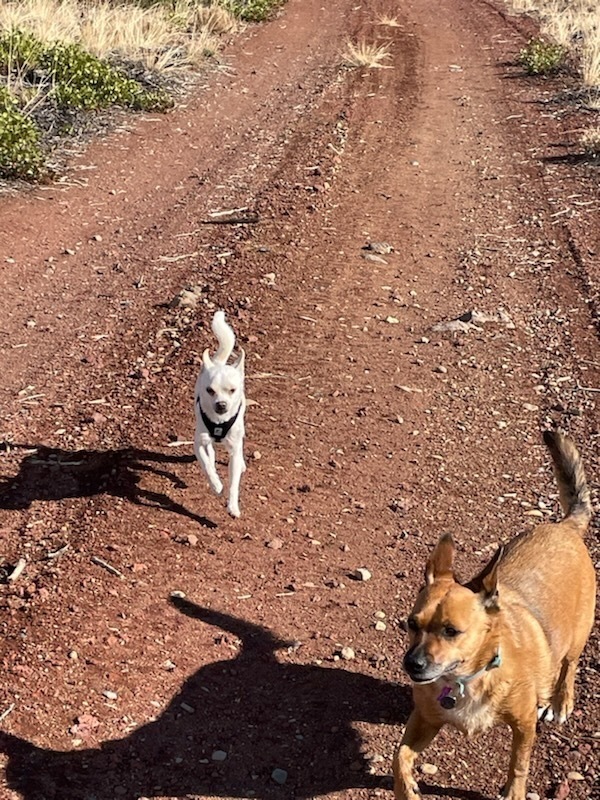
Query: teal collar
{"x": 447, "y": 697}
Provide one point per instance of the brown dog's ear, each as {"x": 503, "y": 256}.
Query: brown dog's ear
{"x": 486, "y": 583}
{"x": 441, "y": 561}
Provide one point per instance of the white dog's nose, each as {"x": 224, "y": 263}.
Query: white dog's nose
{"x": 221, "y": 407}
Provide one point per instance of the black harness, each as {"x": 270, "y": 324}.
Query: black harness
{"x": 218, "y": 430}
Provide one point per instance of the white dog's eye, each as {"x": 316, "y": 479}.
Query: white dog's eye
{"x": 210, "y": 391}
{"x": 231, "y": 391}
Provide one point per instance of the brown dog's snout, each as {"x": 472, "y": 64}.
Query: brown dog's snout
{"x": 415, "y": 662}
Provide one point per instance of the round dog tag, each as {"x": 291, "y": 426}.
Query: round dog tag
{"x": 448, "y": 702}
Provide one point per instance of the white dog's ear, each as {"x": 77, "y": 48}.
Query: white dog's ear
{"x": 206, "y": 359}
{"x": 239, "y": 364}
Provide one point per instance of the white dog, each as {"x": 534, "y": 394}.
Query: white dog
{"x": 220, "y": 404}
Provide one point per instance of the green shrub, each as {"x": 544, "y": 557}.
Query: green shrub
{"x": 19, "y": 50}
{"x": 80, "y": 80}
{"x": 7, "y": 99}
{"x": 540, "y": 57}
{"x": 252, "y": 10}
{"x": 20, "y": 153}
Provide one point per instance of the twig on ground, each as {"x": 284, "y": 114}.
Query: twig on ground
{"x": 56, "y": 553}
{"x": 228, "y": 212}
{"x": 173, "y": 259}
{"x": 247, "y": 219}
{"x": 269, "y": 375}
{"x": 6, "y": 712}
{"x": 19, "y": 567}
{"x": 100, "y": 562}
{"x": 587, "y": 388}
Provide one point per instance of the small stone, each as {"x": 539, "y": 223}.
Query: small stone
{"x": 429, "y": 769}
{"x": 191, "y": 539}
{"x": 219, "y": 755}
{"x": 187, "y": 708}
{"x": 96, "y": 237}
{"x": 68, "y": 252}
{"x": 347, "y": 653}
{"x": 380, "y": 626}
{"x": 379, "y": 615}
{"x": 423, "y": 340}
{"x": 532, "y": 796}
{"x": 530, "y": 407}
{"x": 361, "y": 574}
{"x": 392, "y": 320}
{"x": 374, "y": 257}
{"x": 383, "y": 248}
{"x": 441, "y": 369}
{"x": 275, "y": 544}
{"x": 178, "y": 594}
{"x": 110, "y": 695}
{"x": 73, "y": 655}
{"x": 280, "y": 776}
{"x": 575, "y": 776}
{"x": 256, "y": 455}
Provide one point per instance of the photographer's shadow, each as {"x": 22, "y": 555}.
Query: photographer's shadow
{"x": 263, "y": 713}
{"x": 53, "y": 474}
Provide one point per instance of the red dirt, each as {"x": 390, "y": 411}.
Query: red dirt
{"x": 367, "y": 437}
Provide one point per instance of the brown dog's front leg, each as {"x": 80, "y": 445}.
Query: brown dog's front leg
{"x": 518, "y": 770}
{"x": 417, "y": 736}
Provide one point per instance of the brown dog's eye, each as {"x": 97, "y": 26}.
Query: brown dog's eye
{"x": 449, "y": 632}
{"x": 412, "y": 624}
{"x": 210, "y": 391}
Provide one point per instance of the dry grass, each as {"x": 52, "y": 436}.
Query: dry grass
{"x": 590, "y": 62}
{"x": 573, "y": 24}
{"x": 159, "y": 38}
{"x": 390, "y": 22}
{"x": 213, "y": 18}
{"x": 590, "y": 141}
{"x": 366, "y": 54}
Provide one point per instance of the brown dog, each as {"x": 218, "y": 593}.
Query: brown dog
{"x": 504, "y": 647}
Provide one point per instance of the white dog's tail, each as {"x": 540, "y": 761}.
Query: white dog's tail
{"x": 225, "y": 335}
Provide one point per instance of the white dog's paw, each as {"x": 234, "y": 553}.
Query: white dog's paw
{"x": 216, "y": 486}
{"x": 234, "y": 510}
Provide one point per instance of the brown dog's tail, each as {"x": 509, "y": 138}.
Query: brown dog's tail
{"x": 570, "y": 476}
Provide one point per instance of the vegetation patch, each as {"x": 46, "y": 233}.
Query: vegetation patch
{"x": 590, "y": 141}
{"x": 80, "y": 80}
{"x": 252, "y": 10}
{"x": 36, "y": 74}
{"x": 540, "y": 57}
{"x": 21, "y": 155}
{"x": 63, "y": 60}
{"x": 366, "y": 54}
{"x": 572, "y": 25}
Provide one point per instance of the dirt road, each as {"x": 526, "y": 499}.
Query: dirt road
{"x": 370, "y": 432}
